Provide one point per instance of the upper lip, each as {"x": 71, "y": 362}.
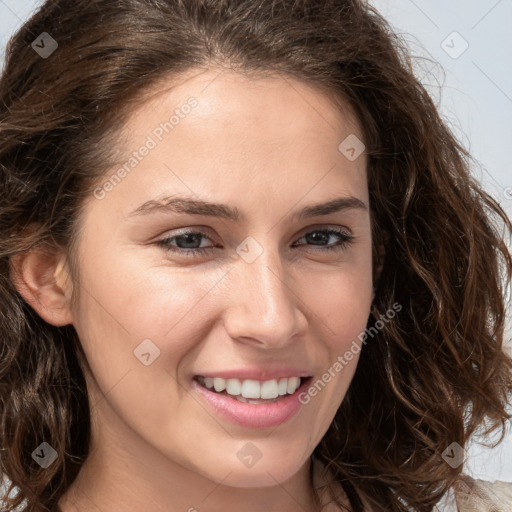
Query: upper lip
{"x": 261, "y": 374}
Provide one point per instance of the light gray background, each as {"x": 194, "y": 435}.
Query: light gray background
{"x": 474, "y": 96}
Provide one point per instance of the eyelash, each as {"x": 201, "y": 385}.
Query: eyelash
{"x": 346, "y": 240}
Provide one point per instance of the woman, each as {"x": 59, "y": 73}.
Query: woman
{"x": 336, "y": 335}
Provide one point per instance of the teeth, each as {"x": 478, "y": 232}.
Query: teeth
{"x": 219, "y": 384}
{"x": 269, "y": 389}
{"x": 233, "y": 387}
{"x": 293, "y": 384}
{"x": 250, "y": 389}
{"x": 282, "y": 387}
{"x": 253, "y": 389}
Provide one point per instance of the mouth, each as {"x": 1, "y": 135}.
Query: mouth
{"x": 252, "y": 403}
{"x": 251, "y": 391}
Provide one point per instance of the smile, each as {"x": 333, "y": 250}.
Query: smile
{"x": 252, "y": 403}
{"x": 252, "y": 389}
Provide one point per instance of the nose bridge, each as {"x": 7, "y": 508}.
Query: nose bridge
{"x": 267, "y": 282}
{"x": 264, "y": 305}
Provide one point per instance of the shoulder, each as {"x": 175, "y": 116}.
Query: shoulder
{"x": 471, "y": 494}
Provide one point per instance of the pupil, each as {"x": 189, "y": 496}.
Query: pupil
{"x": 318, "y": 237}
{"x": 189, "y": 238}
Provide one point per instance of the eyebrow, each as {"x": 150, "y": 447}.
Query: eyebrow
{"x": 185, "y": 205}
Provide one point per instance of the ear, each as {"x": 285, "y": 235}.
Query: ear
{"x": 42, "y": 278}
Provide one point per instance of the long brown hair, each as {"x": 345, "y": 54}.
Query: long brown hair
{"x": 427, "y": 379}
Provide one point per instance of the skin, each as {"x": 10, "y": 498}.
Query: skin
{"x": 268, "y": 146}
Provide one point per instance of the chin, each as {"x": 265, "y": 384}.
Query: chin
{"x": 268, "y": 473}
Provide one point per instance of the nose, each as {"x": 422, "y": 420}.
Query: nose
{"x": 265, "y": 308}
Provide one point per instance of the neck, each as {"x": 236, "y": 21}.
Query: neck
{"x": 125, "y": 473}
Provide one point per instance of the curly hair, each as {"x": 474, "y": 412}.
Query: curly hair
{"x": 434, "y": 375}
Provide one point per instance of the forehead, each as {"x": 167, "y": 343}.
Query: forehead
{"x": 224, "y": 94}
{"x": 242, "y": 136}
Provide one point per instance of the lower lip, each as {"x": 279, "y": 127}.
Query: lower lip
{"x": 253, "y": 415}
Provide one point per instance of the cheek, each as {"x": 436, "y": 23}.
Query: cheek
{"x": 340, "y": 298}
{"x": 123, "y": 305}
{"x": 343, "y": 311}
{"x": 146, "y": 301}
{"x": 126, "y": 312}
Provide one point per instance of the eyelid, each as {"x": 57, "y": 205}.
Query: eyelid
{"x": 185, "y": 231}
{"x": 321, "y": 227}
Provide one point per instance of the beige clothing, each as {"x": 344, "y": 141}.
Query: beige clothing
{"x": 470, "y": 495}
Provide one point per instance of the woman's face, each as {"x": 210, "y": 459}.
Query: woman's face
{"x": 273, "y": 295}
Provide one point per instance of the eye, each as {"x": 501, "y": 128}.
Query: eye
{"x": 188, "y": 243}
{"x": 185, "y": 239}
{"x": 344, "y": 239}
